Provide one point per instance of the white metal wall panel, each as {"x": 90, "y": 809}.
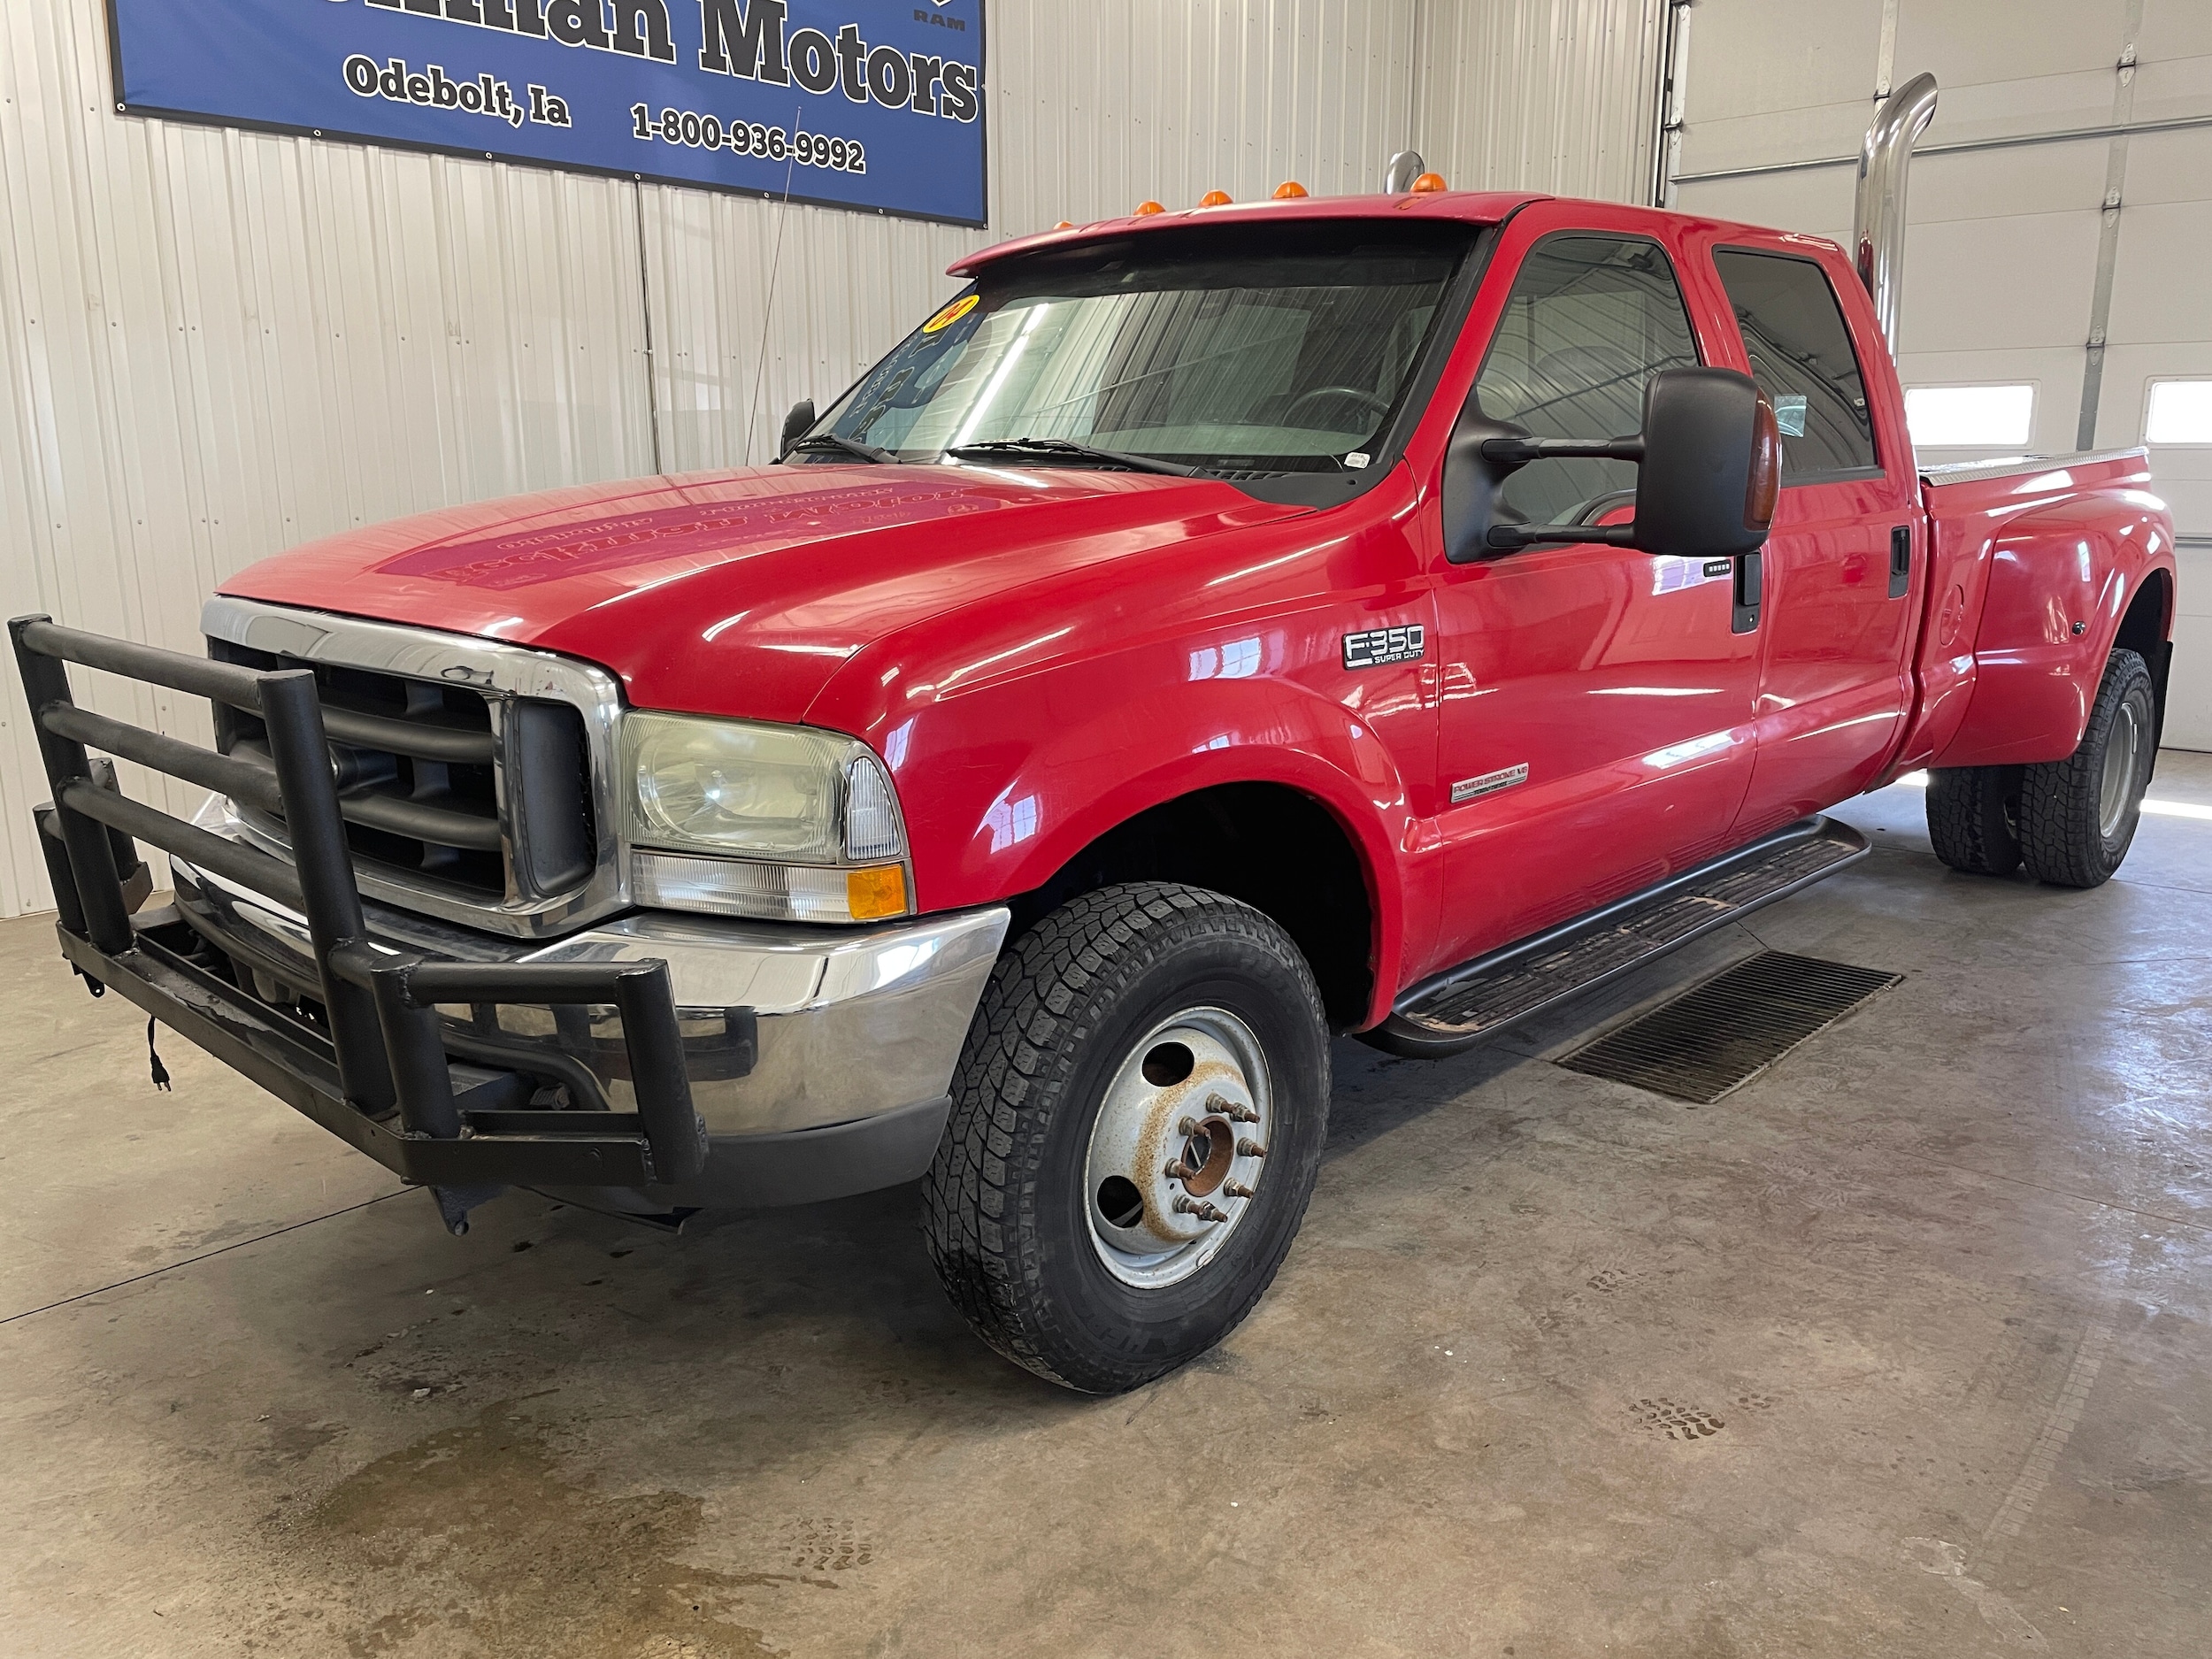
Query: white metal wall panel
{"x": 1096, "y": 108}
{"x": 1542, "y": 95}
{"x": 219, "y": 345}
{"x": 1777, "y": 81}
{"x": 2003, "y": 251}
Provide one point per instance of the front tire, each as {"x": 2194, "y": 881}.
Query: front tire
{"x": 2078, "y": 815}
{"x": 1137, "y": 1123}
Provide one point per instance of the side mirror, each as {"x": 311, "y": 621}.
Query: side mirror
{"x": 1709, "y": 468}
{"x": 794, "y": 425}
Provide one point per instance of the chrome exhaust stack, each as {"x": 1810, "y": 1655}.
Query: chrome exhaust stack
{"x": 1400, "y": 171}
{"x": 1878, "y": 217}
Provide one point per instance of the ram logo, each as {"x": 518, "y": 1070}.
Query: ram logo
{"x": 1379, "y": 646}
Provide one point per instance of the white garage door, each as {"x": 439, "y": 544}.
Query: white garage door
{"x": 2058, "y": 267}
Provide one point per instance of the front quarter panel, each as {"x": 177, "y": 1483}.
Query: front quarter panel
{"x": 1020, "y": 733}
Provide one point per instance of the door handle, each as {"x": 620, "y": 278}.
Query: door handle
{"x": 1750, "y": 592}
{"x": 1899, "y": 561}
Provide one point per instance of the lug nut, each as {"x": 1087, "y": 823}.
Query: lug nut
{"x": 1250, "y": 1148}
{"x": 1186, "y": 1125}
{"x": 1179, "y": 1171}
{"x": 1186, "y": 1205}
{"x": 1229, "y": 1109}
{"x": 1236, "y": 1189}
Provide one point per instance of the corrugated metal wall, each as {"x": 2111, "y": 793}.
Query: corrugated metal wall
{"x": 218, "y": 344}
{"x": 1557, "y": 97}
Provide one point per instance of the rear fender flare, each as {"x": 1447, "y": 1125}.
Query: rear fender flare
{"x": 2073, "y": 564}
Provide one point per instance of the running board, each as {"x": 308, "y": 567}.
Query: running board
{"x": 1475, "y": 1001}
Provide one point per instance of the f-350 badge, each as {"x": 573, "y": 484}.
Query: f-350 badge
{"x": 1379, "y": 646}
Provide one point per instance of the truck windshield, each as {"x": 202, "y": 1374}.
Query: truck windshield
{"x": 1189, "y": 350}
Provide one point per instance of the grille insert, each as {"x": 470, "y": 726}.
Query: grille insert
{"x": 452, "y": 773}
{"x": 1721, "y": 1034}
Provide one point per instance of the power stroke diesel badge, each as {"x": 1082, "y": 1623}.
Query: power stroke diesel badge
{"x": 1378, "y": 646}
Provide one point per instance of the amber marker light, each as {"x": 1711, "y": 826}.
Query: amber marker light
{"x": 1429, "y": 184}
{"x": 1065, "y": 224}
{"x": 1763, "y": 482}
{"x": 1289, "y": 190}
{"x": 878, "y": 891}
{"x": 1146, "y": 210}
{"x": 1215, "y": 198}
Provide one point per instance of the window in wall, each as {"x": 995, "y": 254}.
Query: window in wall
{"x": 2180, "y": 411}
{"x": 1589, "y": 321}
{"x": 1801, "y": 355}
{"x": 1970, "y": 417}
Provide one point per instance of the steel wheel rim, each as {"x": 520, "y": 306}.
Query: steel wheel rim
{"x": 1195, "y": 1086}
{"x": 2116, "y": 790}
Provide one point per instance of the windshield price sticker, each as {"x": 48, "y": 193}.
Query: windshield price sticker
{"x": 1377, "y": 646}
{"x": 951, "y": 314}
{"x": 882, "y": 113}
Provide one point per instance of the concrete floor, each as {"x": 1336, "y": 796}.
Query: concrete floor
{"x": 1903, "y": 1348}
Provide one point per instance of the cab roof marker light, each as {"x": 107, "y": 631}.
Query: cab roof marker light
{"x": 1216, "y": 198}
{"x": 1289, "y": 190}
{"x": 1146, "y": 210}
{"x": 1429, "y": 184}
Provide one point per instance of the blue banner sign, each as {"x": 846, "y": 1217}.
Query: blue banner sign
{"x": 854, "y": 104}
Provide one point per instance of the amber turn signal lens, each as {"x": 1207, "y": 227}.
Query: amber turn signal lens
{"x": 1289, "y": 190}
{"x": 878, "y": 891}
{"x": 1764, "y": 483}
{"x": 1146, "y": 210}
{"x": 1215, "y": 198}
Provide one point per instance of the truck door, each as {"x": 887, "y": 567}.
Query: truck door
{"x": 1595, "y": 732}
{"x": 1843, "y": 563}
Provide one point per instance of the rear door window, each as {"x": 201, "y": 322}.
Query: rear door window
{"x": 1800, "y": 354}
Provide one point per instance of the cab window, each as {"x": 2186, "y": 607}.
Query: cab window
{"x": 1799, "y": 350}
{"x": 1589, "y": 321}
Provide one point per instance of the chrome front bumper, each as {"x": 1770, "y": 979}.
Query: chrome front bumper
{"x": 849, "y": 1024}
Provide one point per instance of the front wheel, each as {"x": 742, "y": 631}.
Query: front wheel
{"x": 2078, "y": 815}
{"x": 1137, "y": 1123}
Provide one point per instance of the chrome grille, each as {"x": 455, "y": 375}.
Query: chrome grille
{"x": 470, "y": 772}
{"x": 426, "y": 753}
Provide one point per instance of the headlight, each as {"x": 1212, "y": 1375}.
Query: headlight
{"x": 810, "y": 814}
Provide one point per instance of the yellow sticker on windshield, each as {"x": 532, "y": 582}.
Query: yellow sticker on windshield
{"x": 951, "y": 314}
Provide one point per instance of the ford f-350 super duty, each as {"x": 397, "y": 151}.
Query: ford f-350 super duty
{"x": 1210, "y": 631}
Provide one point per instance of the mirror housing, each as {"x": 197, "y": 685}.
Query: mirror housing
{"x": 1709, "y": 471}
{"x": 794, "y": 425}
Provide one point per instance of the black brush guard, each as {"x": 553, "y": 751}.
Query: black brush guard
{"x": 379, "y": 1076}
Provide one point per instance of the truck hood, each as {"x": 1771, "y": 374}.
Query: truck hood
{"x": 742, "y": 592}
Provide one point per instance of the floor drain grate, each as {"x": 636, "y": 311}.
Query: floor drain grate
{"x": 1728, "y": 1030}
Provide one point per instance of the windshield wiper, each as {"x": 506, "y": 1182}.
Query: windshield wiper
{"x": 1042, "y": 449}
{"x": 830, "y": 440}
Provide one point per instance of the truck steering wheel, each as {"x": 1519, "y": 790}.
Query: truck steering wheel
{"x": 1381, "y": 405}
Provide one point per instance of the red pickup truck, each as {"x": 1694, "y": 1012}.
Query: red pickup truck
{"x": 1210, "y": 631}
